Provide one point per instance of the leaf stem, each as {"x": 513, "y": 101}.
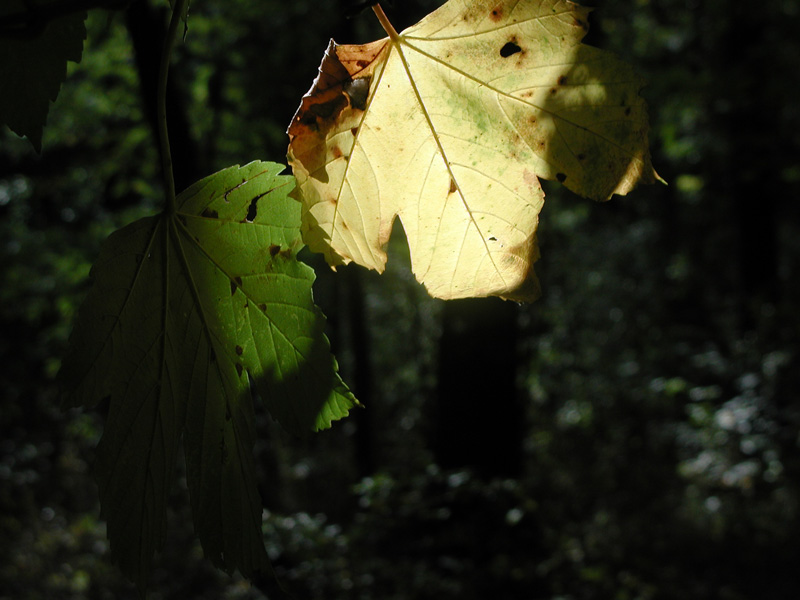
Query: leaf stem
{"x": 161, "y": 105}
{"x": 387, "y": 26}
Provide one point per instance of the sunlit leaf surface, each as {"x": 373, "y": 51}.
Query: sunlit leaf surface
{"x": 450, "y": 125}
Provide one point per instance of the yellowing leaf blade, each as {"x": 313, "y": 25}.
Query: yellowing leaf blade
{"x": 466, "y": 111}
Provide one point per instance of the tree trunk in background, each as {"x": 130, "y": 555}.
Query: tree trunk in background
{"x": 147, "y": 29}
{"x": 752, "y": 155}
{"x": 359, "y": 377}
{"x": 479, "y": 417}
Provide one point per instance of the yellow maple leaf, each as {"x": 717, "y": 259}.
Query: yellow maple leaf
{"x": 449, "y": 126}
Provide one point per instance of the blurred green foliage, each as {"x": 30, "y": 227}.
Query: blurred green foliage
{"x": 660, "y": 369}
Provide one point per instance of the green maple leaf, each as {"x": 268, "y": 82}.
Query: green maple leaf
{"x": 186, "y": 311}
{"x": 33, "y": 65}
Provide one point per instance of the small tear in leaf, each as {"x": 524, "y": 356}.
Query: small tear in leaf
{"x": 228, "y": 192}
{"x": 235, "y": 282}
{"x": 509, "y": 49}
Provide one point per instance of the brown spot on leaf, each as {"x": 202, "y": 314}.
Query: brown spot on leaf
{"x": 497, "y": 13}
{"x": 209, "y": 214}
{"x": 354, "y": 131}
{"x": 239, "y": 350}
{"x": 562, "y": 80}
{"x": 452, "y": 187}
{"x": 325, "y": 111}
{"x": 338, "y": 91}
{"x": 627, "y": 111}
{"x": 561, "y": 177}
{"x": 274, "y": 249}
{"x": 581, "y": 156}
{"x": 336, "y": 152}
{"x": 239, "y": 369}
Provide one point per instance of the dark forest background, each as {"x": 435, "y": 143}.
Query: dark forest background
{"x": 632, "y": 435}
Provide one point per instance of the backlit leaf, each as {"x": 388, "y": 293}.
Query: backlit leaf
{"x": 187, "y": 310}
{"x": 450, "y": 125}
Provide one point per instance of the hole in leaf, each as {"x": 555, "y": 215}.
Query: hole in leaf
{"x": 357, "y": 90}
{"x": 561, "y": 177}
{"x": 509, "y": 49}
{"x": 252, "y": 210}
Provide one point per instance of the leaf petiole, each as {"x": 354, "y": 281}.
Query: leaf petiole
{"x": 387, "y": 26}
{"x": 178, "y": 11}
